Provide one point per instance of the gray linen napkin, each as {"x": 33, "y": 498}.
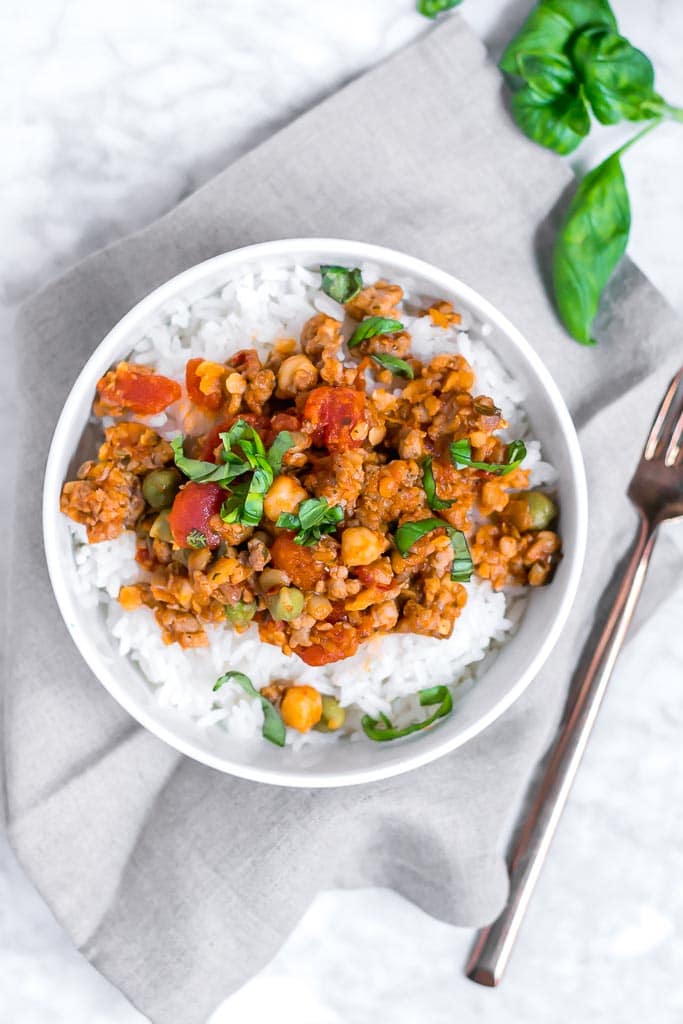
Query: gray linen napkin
{"x": 178, "y": 882}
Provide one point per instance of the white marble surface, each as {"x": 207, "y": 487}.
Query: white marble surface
{"x": 112, "y": 112}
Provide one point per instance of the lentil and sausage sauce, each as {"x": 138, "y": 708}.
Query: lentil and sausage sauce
{"x": 329, "y": 493}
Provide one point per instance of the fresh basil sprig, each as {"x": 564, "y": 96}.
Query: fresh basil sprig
{"x": 278, "y": 449}
{"x": 440, "y": 695}
{"x": 461, "y": 453}
{"x": 371, "y": 327}
{"x": 206, "y": 472}
{"x": 408, "y": 534}
{"x": 273, "y": 726}
{"x": 430, "y": 8}
{"x": 340, "y": 283}
{"x": 314, "y": 518}
{"x": 569, "y": 58}
{"x": 397, "y": 366}
{"x": 429, "y": 484}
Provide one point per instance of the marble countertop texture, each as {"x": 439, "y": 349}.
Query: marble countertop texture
{"x": 114, "y": 112}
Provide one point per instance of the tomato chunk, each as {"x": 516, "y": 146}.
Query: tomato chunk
{"x": 335, "y": 414}
{"x": 299, "y": 562}
{"x": 135, "y": 388}
{"x": 204, "y": 382}
{"x": 192, "y": 509}
{"x": 332, "y": 645}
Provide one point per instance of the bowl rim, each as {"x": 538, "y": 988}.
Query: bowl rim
{"x": 356, "y": 250}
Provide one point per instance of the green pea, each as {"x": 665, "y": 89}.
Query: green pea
{"x": 241, "y": 613}
{"x": 160, "y": 487}
{"x": 161, "y": 528}
{"x": 286, "y": 604}
{"x": 333, "y": 716}
{"x": 542, "y": 509}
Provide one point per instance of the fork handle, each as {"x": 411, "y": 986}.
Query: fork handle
{"x": 494, "y": 944}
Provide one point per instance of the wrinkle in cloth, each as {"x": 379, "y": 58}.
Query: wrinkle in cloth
{"x": 179, "y": 882}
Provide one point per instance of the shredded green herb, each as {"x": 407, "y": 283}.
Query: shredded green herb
{"x": 314, "y": 518}
{"x": 408, "y": 534}
{"x": 340, "y": 283}
{"x": 461, "y": 453}
{"x": 398, "y": 366}
{"x": 440, "y": 695}
{"x": 371, "y": 327}
{"x": 429, "y": 484}
{"x": 273, "y": 726}
{"x": 196, "y": 539}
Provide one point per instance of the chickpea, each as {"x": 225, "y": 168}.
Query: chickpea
{"x": 361, "y": 546}
{"x": 296, "y": 373}
{"x": 301, "y": 707}
{"x": 318, "y": 607}
{"x": 285, "y": 494}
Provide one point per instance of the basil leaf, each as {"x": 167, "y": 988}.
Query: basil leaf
{"x": 273, "y": 726}
{"x": 429, "y": 484}
{"x": 408, "y": 534}
{"x": 548, "y": 75}
{"x": 430, "y": 8}
{"x": 589, "y": 245}
{"x": 618, "y": 80}
{"x": 372, "y": 326}
{"x": 280, "y": 446}
{"x": 196, "y": 539}
{"x": 559, "y": 124}
{"x": 314, "y": 518}
{"x": 462, "y": 566}
{"x": 461, "y": 453}
{"x": 440, "y": 695}
{"x": 550, "y": 26}
{"x": 393, "y": 363}
{"x": 195, "y": 469}
{"x": 340, "y": 283}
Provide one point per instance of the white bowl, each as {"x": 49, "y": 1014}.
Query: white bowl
{"x": 342, "y": 763}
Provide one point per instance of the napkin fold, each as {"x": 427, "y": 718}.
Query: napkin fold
{"x": 178, "y": 882}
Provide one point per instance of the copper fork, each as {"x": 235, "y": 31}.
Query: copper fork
{"x": 656, "y": 491}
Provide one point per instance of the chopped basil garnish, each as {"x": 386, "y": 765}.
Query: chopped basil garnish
{"x": 340, "y": 283}
{"x": 461, "y": 453}
{"x": 440, "y": 695}
{"x": 278, "y": 449}
{"x": 313, "y": 518}
{"x": 429, "y": 484}
{"x": 243, "y": 453}
{"x": 408, "y": 534}
{"x": 431, "y": 8}
{"x": 393, "y": 363}
{"x": 196, "y": 539}
{"x": 273, "y": 726}
{"x": 372, "y": 326}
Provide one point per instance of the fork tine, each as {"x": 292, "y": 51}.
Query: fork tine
{"x": 667, "y": 421}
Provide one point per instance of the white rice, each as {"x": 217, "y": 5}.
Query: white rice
{"x": 385, "y": 674}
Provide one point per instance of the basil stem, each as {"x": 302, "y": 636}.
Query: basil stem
{"x": 273, "y": 726}
{"x": 440, "y": 695}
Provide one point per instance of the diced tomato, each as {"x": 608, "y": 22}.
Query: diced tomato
{"x": 193, "y": 382}
{"x": 282, "y": 421}
{"x": 299, "y": 562}
{"x": 136, "y": 388}
{"x": 333, "y": 645}
{"x": 334, "y": 413}
{"x": 192, "y": 509}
